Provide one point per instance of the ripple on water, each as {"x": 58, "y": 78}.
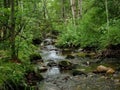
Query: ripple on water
{"x": 53, "y": 71}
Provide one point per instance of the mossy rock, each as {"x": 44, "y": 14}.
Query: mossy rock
{"x": 86, "y": 54}
{"x": 65, "y": 65}
{"x": 42, "y": 68}
{"x": 52, "y": 63}
{"x": 70, "y": 56}
{"x": 34, "y": 58}
{"x": 81, "y": 54}
{"x": 78, "y": 72}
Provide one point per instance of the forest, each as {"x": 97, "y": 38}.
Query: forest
{"x": 59, "y": 45}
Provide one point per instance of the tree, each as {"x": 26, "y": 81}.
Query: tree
{"x": 12, "y": 39}
{"x": 63, "y": 9}
{"x": 107, "y": 17}
{"x": 79, "y": 8}
{"x": 73, "y": 8}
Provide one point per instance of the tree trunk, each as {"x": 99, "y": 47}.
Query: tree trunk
{"x": 107, "y": 18}
{"x": 63, "y": 9}
{"x": 79, "y": 8}
{"x": 12, "y": 40}
{"x": 73, "y": 8}
{"x": 4, "y": 28}
{"x": 44, "y": 9}
{"x": 6, "y": 3}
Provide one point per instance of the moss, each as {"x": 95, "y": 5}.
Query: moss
{"x": 81, "y": 54}
{"x": 65, "y": 64}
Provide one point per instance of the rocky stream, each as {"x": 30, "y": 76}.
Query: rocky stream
{"x": 57, "y": 78}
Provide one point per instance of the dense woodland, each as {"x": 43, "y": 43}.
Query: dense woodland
{"x": 90, "y": 25}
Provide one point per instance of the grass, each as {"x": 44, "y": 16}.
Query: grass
{"x": 12, "y": 74}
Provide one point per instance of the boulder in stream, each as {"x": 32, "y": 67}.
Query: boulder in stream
{"x": 78, "y": 72}
{"x": 34, "y": 58}
{"x": 104, "y": 69}
{"x": 51, "y": 63}
{"x": 65, "y": 65}
{"x": 70, "y": 56}
{"x": 42, "y": 68}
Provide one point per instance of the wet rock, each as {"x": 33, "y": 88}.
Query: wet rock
{"x": 65, "y": 65}
{"x": 66, "y": 78}
{"x": 32, "y": 77}
{"x": 52, "y": 63}
{"x": 75, "y": 66}
{"x": 70, "y": 57}
{"x": 48, "y": 41}
{"x": 34, "y": 58}
{"x": 78, "y": 72}
{"x": 42, "y": 68}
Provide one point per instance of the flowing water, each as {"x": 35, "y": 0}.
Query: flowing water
{"x": 57, "y": 80}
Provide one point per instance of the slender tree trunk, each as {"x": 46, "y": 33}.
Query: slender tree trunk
{"x": 6, "y": 3}
{"x": 107, "y": 17}
{"x": 73, "y": 8}
{"x": 13, "y": 50}
{"x": 44, "y": 9}
{"x": 79, "y": 8}
{"x": 6, "y": 6}
{"x": 20, "y": 5}
{"x": 63, "y": 9}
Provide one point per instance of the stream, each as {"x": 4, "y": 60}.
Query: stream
{"x": 54, "y": 79}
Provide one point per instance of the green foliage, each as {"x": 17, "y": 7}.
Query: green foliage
{"x": 91, "y": 29}
{"x": 111, "y": 36}
{"x": 36, "y": 18}
{"x": 12, "y": 74}
{"x": 24, "y": 43}
{"x": 68, "y": 36}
